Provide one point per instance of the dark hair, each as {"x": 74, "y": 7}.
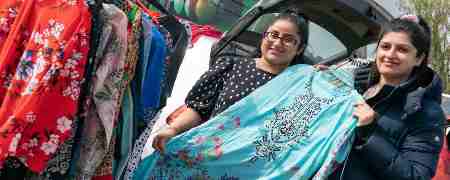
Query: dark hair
{"x": 419, "y": 34}
{"x": 301, "y": 21}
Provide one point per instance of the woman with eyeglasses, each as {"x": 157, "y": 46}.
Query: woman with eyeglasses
{"x": 400, "y": 123}
{"x": 233, "y": 78}
{"x": 259, "y": 118}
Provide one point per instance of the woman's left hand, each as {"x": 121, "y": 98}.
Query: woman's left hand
{"x": 364, "y": 113}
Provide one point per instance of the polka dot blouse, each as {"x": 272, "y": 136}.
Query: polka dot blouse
{"x": 226, "y": 82}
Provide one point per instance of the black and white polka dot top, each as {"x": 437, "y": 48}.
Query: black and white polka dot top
{"x": 226, "y": 82}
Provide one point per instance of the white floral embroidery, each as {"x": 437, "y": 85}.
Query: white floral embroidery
{"x": 12, "y": 12}
{"x": 4, "y": 23}
{"x": 30, "y": 117}
{"x": 74, "y": 75}
{"x": 38, "y": 38}
{"x": 31, "y": 86}
{"x": 51, "y": 72}
{"x": 14, "y": 143}
{"x": 56, "y": 28}
{"x": 49, "y": 147}
{"x": 33, "y": 142}
{"x": 40, "y": 63}
{"x": 54, "y": 138}
{"x": 71, "y": 2}
{"x": 71, "y": 63}
{"x": 73, "y": 90}
{"x": 63, "y": 124}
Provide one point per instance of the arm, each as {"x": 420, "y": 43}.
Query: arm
{"x": 415, "y": 158}
{"x": 185, "y": 121}
{"x": 200, "y": 103}
{"x": 188, "y": 119}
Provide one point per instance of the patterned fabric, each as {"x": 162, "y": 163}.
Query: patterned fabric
{"x": 134, "y": 31}
{"x": 197, "y": 56}
{"x": 43, "y": 53}
{"x": 106, "y": 87}
{"x": 225, "y": 83}
{"x": 58, "y": 167}
{"x": 300, "y": 132}
{"x": 135, "y": 156}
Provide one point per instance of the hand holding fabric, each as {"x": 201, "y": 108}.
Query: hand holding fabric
{"x": 161, "y": 139}
{"x": 364, "y": 113}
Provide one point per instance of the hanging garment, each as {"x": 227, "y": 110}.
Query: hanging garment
{"x": 137, "y": 84}
{"x": 124, "y": 143}
{"x": 151, "y": 89}
{"x": 134, "y": 30}
{"x": 297, "y": 126}
{"x": 193, "y": 65}
{"x": 145, "y": 91}
{"x": 204, "y": 30}
{"x": 42, "y": 60}
{"x": 177, "y": 49}
{"x": 106, "y": 87}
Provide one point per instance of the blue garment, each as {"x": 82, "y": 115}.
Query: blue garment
{"x": 299, "y": 125}
{"x": 145, "y": 42}
{"x": 151, "y": 91}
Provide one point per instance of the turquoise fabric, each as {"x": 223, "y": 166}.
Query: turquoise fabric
{"x": 126, "y": 132}
{"x": 297, "y": 126}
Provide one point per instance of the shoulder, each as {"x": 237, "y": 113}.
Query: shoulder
{"x": 232, "y": 60}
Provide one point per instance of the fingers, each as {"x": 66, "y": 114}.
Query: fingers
{"x": 321, "y": 67}
{"x": 159, "y": 143}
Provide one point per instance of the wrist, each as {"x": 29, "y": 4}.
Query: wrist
{"x": 175, "y": 129}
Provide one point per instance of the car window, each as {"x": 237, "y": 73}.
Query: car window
{"x": 322, "y": 45}
{"x": 446, "y": 103}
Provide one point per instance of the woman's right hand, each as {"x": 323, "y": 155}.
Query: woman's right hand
{"x": 159, "y": 143}
{"x": 321, "y": 67}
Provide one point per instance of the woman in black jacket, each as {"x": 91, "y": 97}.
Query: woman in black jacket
{"x": 400, "y": 125}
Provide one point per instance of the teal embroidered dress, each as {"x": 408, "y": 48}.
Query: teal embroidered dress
{"x": 299, "y": 125}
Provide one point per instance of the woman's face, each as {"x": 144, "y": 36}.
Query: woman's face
{"x": 396, "y": 56}
{"x": 280, "y": 43}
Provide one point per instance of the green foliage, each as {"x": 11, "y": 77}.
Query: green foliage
{"x": 437, "y": 14}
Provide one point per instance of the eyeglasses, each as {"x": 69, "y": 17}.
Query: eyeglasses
{"x": 287, "y": 40}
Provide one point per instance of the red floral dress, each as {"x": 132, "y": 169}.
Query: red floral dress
{"x": 43, "y": 52}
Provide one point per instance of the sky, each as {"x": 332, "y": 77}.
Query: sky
{"x": 390, "y": 5}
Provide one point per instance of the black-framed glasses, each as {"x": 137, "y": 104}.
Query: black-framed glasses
{"x": 287, "y": 40}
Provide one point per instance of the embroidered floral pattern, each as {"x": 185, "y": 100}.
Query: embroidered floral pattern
{"x": 7, "y": 16}
{"x": 290, "y": 125}
{"x": 41, "y": 67}
{"x": 63, "y": 124}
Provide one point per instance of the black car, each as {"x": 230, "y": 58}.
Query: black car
{"x": 337, "y": 28}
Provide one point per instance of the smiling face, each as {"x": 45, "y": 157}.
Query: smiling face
{"x": 396, "y": 57}
{"x": 280, "y": 43}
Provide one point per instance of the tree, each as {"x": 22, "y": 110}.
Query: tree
{"x": 437, "y": 14}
